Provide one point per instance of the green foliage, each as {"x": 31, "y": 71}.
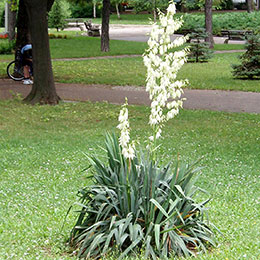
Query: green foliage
{"x": 250, "y": 66}
{"x": 199, "y": 49}
{"x": 148, "y": 5}
{"x": 6, "y": 47}
{"x": 58, "y": 14}
{"x": 84, "y": 10}
{"x": 59, "y": 36}
{"x": 2, "y": 18}
{"x": 222, "y": 21}
{"x": 134, "y": 205}
{"x": 226, "y": 5}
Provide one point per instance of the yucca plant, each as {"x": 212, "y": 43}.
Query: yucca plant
{"x": 135, "y": 204}
{"x": 141, "y": 205}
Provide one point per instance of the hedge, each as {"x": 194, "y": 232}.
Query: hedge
{"x": 223, "y": 21}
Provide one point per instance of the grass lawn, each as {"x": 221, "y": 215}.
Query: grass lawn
{"x": 42, "y": 154}
{"x": 130, "y": 71}
{"x": 82, "y": 46}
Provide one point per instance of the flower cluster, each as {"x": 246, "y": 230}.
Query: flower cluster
{"x": 164, "y": 89}
{"x": 162, "y": 67}
{"x": 128, "y": 149}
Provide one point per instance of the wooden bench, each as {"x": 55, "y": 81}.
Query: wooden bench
{"x": 236, "y": 35}
{"x": 93, "y": 30}
{"x": 75, "y": 23}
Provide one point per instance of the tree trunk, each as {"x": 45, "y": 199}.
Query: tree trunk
{"x": 94, "y": 9}
{"x": 208, "y": 23}
{"x": 11, "y": 21}
{"x": 23, "y": 34}
{"x": 49, "y": 4}
{"x": 43, "y": 90}
{"x": 117, "y": 11}
{"x": 250, "y": 6}
{"x": 105, "y": 26}
{"x": 154, "y": 11}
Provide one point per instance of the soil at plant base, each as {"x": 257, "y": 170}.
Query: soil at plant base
{"x": 217, "y": 100}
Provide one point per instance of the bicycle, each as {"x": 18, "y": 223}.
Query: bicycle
{"x": 15, "y": 69}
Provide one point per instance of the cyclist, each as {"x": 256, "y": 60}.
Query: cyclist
{"x": 26, "y": 52}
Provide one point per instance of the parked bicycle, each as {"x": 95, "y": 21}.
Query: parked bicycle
{"x": 15, "y": 69}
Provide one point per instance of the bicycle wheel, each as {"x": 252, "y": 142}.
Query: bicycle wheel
{"x": 15, "y": 71}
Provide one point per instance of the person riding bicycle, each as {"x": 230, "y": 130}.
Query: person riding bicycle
{"x": 26, "y": 55}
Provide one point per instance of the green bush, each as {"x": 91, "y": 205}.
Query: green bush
{"x": 2, "y": 19}
{"x": 144, "y": 5}
{"x": 58, "y": 14}
{"x": 6, "y": 47}
{"x": 223, "y": 21}
{"x": 199, "y": 49}
{"x": 250, "y": 60}
{"x": 137, "y": 204}
{"x": 84, "y": 10}
{"x": 54, "y": 36}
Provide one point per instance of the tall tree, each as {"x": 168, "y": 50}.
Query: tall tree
{"x": 94, "y": 8}
{"x": 43, "y": 90}
{"x": 57, "y": 16}
{"x": 250, "y": 6}
{"x": 208, "y": 23}
{"x": 105, "y": 26}
{"x": 12, "y": 8}
{"x": 116, "y": 3}
{"x": 149, "y": 5}
{"x": 23, "y": 34}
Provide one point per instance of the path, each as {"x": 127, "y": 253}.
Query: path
{"x": 229, "y": 101}
{"x": 138, "y": 33}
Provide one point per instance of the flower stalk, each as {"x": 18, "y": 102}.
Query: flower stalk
{"x": 164, "y": 89}
{"x": 162, "y": 67}
{"x": 128, "y": 148}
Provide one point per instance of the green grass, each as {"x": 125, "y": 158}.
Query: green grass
{"x": 82, "y": 46}
{"x": 228, "y": 47}
{"x": 90, "y": 47}
{"x": 42, "y": 154}
{"x": 130, "y": 71}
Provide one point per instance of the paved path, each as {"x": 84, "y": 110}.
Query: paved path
{"x": 137, "y": 33}
{"x": 229, "y": 101}
{"x": 235, "y": 101}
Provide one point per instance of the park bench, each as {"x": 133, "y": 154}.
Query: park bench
{"x": 235, "y": 34}
{"x": 93, "y": 30}
{"x": 75, "y": 23}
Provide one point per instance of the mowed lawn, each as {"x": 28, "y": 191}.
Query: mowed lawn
{"x": 42, "y": 157}
{"x": 216, "y": 74}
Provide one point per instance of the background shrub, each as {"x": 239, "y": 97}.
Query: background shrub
{"x": 2, "y": 19}
{"x": 199, "y": 49}
{"x": 250, "y": 60}
{"x": 59, "y": 12}
{"x": 84, "y": 10}
{"x": 6, "y": 47}
{"x": 223, "y": 21}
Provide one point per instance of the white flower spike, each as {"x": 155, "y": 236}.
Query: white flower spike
{"x": 162, "y": 67}
{"x": 128, "y": 149}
